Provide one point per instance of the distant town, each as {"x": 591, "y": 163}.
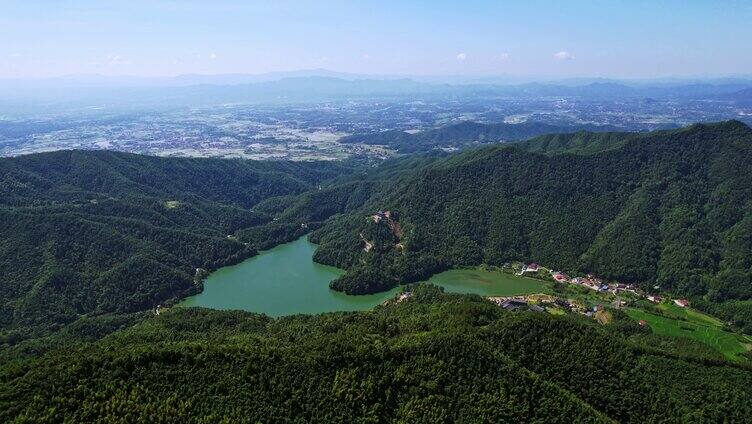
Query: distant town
{"x": 311, "y": 131}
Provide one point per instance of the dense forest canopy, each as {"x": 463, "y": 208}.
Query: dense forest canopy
{"x": 93, "y": 241}
{"x": 100, "y": 232}
{"x": 432, "y": 358}
{"x": 671, "y": 209}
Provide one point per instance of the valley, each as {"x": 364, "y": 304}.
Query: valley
{"x": 424, "y": 263}
{"x": 280, "y": 281}
{"x": 262, "y": 121}
{"x": 285, "y": 281}
{"x": 376, "y": 212}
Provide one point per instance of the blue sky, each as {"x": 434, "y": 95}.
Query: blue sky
{"x": 629, "y": 39}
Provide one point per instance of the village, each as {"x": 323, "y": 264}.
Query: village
{"x": 590, "y": 306}
{"x": 591, "y": 303}
{"x": 621, "y": 293}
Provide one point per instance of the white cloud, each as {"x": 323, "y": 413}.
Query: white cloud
{"x": 461, "y": 57}
{"x": 366, "y": 57}
{"x": 504, "y": 56}
{"x": 16, "y": 55}
{"x": 323, "y": 59}
{"x": 563, "y": 55}
{"x": 115, "y": 59}
{"x": 212, "y": 56}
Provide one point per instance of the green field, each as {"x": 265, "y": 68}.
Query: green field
{"x": 694, "y": 325}
{"x": 689, "y": 314}
{"x": 488, "y": 283}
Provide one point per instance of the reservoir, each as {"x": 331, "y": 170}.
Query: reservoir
{"x": 282, "y": 281}
{"x": 487, "y": 283}
{"x": 286, "y": 281}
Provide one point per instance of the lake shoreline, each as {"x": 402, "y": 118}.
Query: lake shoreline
{"x": 284, "y": 280}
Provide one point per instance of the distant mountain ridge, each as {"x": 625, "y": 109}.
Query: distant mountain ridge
{"x": 743, "y": 96}
{"x": 597, "y": 83}
{"x": 317, "y": 85}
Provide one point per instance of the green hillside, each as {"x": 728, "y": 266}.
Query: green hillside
{"x": 580, "y": 142}
{"x": 670, "y": 208}
{"x": 101, "y": 232}
{"x": 93, "y": 241}
{"x": 432, "y": 358}
{"x": 696, "y": 328}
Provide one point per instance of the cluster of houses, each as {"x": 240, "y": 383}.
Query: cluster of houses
{"x": 533, "y": 267}
{"x": 544, "y": 302}
{"x": 595, "y": 283}
{"x": 540, "y": 302}
{"x": 405, "y": 295}
{"x": 589, "y": 281}
{"x": 682, "y": 303}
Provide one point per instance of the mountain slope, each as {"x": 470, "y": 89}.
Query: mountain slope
{"x": 580, "y": 142}
{"x": 667, "y": 208}
{"x": 96, "y": 232}
{"x": 432, "y": 358}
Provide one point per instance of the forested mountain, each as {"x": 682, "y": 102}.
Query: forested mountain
{"x": 99, "y": 232}
{"x": 432, "y": 358}
{"x": 96, "y": 231}
{"x": 580, "y": 142}
{"x": 463, "y": 134}
{"x": 670, "y": 208}
{"x": 93, "y": 239}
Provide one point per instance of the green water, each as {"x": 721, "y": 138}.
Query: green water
{"x": 286, "y": 281}
{"x": 281, "y": 281}
{"x": 487, "y": 283}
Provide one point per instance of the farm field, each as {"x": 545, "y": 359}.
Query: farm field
{"x": 694, "y": 325}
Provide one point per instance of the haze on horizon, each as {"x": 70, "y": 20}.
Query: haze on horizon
{"x": 615, "y": 39}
